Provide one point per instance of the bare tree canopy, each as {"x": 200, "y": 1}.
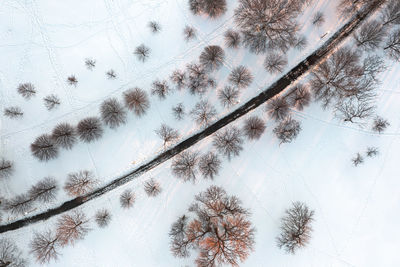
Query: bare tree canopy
{"x": 64, "y": 135}
{"x": 212, "y": 8}
{"x": 154, "y": 26}
{"x": 189, "y": 33}
{"x": 229, "y": 142}
{"x": 391, "y": 13}
{"x": 268, "y": 24}
{"x": 184, "y": 165}
{"x": 296, "y": 227}
{"x": 113, "y": 113}
{"x": 167, "y": 134}
{"x": 287, "y": 130}
{"x": 90, "y": 63}
{"x": 370, "y": 35}
{"x": 44, "y": 148}
{"x": 103, "y": 217}
{"x": 220, "y": 230}
{"x": 380, "y": 124}
{"x": 178, "y": 77}
{"x": 10, "y": 254}
{"x": 228, "y": 96}
{"x": 357, "y": 160}
{"x": 278, "y": 108}
{"x": 392, "y": 46}
{"x": 212, "y": 57}
{"x": 6, "y": 168}
{"x": 254, "y": 127}
{"x": 51, "y": 102}
{"x": 240, "y": 77}
{"x": 152, "y": 188}
{"x": 45, "y": 246}
{"x": 299, "y": 96}
{"x": 142, "y": 52}
{"x": 72, "y": 80}
{"x": 318, "y": 19}
{"x": 203, "y": 112}
{"x": 45, "y": 190}
{"x": 137, "y": 100}
{"x": 127, "y": 199}
{"x": 160, "y": 88}
{"x": 275, "y": 63}
{"x": 13, "y": 112}
{"x": 348, "y": 7}
{"x": 198, "y": 80}
{"x": 80, "y": 183}
{"x": 178, "y": 111}
{"x": 20, "y": 204}
{"x": 90, "y": 129}
{"x": 27, "y": 90}
{"x": 209, "y": 165}
{"x": 72, "y": 227}
{"x": 232, "y": 39}
{"x": 111, "y": 74}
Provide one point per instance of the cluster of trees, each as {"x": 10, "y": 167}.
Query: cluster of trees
{"x": 359, "y": 158}
{"x": 211, "y": 8}
{"x": 10, "y": 254}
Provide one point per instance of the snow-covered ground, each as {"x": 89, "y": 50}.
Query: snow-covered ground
{"x": 44, "y": 42}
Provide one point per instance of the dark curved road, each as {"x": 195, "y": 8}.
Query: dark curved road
{"x": 284, "y": 82}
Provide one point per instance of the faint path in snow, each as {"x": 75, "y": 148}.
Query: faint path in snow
{"x": 276, "y": 88}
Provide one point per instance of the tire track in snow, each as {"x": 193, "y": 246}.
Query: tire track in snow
{"x": 276, "y": 88}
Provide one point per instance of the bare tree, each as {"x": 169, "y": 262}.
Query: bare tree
{"x": 45, "y": 190}
{"x": 142, "y": 52}
{"x": 13, "y": 112}
{"x": 300, "y": 43}
{"x": 127, "y": 199}
{"x": 254, "y": 127}
{"x": 80, "y": 183}
{"x": 189, "y": 33}
{"x": 72, "y": 227}
{"x": 391, "y": 13}
{"x": 372, "y": 152}
{"x": 184, "y": 165}
{"x": 44, "y": 148}
{"x": 6, "y": 168}
{"x": 354, "y": 109}
{"x": 392, "y": 46}
{"x": 212, "y": 57}
{"x": 154, "y": 26}
{"x": 212, "y": 8}
{"x": 240, "y": 77}
{"x": 299, "y": 97}
{"x": 318, "y": 19}
{"x": 51, "y": 102}
{"x": 220, "y": 230}
{"x": 275, "y": 63}
{"x": 152, "y": 188}
{"x": 268, "y": 24}
{"x": 179, "y": 111}
{"x": 228, "y": 142}
{"x": 232, "y": 39}
{"x": 178, "y": 77}
{"x": 111, "y": 74}
{"x": 90, "y": 63}
{"x": 357, "y": 160}
{"x": 72, "y": 80}
{"x": 228, "y": 96}
{"x": 27, "y": 90}
{"x": 103, "y": 217}
{"x": 380, "y": 124}
{"x": 287, "y": 130}
{"x": 160, "y": 88}
{"x": 113, "y": 113}
{"x": 296, "y": 227}
{"x": 64, "y": 135}
{"x": 348, "y": 7}
{"x": 209, "y": 165}
{"x": 45, "y": 246}
{"x": 89, "y": 129}
{"x": 167, "y": 134}
{"x": 10, "y": 254}
{"x": 137, "y": 100}
{"x": 198, "y": 81}
{"x": 370, "y": 35}
{"x": 278, "y": 108}
{"x": 203, "y": 112}
{"x": 20, "y": 204}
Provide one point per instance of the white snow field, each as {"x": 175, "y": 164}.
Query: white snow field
{"x": 44, "y": 42}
